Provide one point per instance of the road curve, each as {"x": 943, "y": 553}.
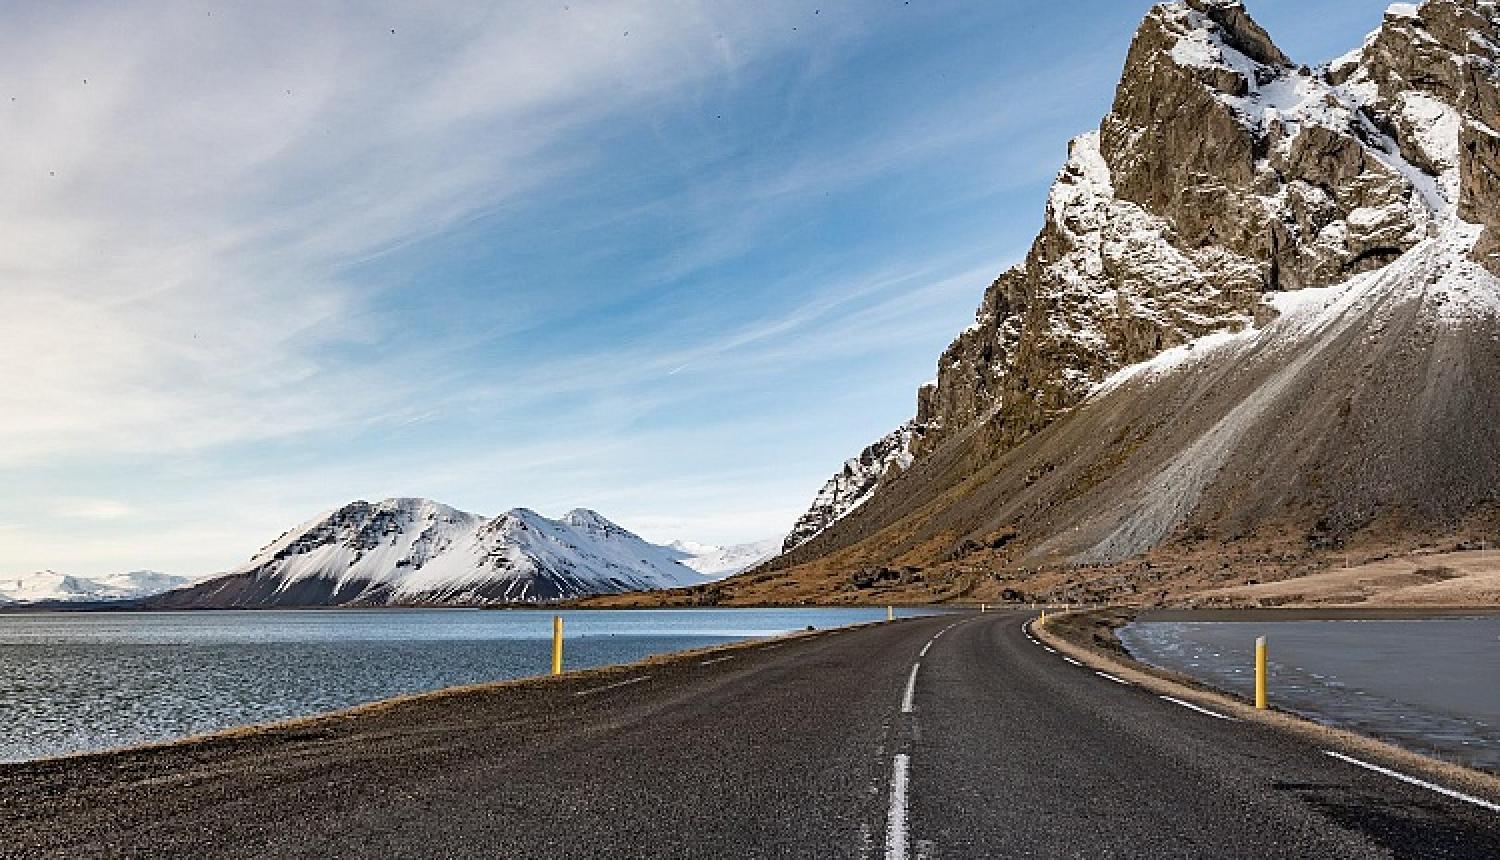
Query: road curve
{"x": 946, "y": 736}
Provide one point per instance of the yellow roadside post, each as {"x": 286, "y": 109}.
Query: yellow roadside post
{"x": 1260, "y": 673}
{"x": 557, "y": 644}
{"x": 890, "y": 613}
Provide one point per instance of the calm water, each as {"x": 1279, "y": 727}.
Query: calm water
{"x": 1429, "y": 685}
{"x": 72, "y": 682}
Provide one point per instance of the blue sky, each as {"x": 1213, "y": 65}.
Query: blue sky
{"x": 673, "y": 261}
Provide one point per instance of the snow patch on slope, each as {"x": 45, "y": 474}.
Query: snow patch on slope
{"x": 1170, "y": 360}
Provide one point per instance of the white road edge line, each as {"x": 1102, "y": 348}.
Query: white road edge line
{"x": 926, "y": 648}
{"x": 1192, "y": 707}
{"x": 1456, "y": 795}
{"x": 1109, "y": 677}
{"x": 1074, "y": 662}
{"x": 895, "y": 824}
{"x": 615, "y": 685}
{"x": 908, "y": 701}
{"x": 716, "y": 660}
{"x": 1049, "y": 650}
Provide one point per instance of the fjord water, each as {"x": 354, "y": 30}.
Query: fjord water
{"x": 74, "y": 682}
{"x": 1431, "y": 685}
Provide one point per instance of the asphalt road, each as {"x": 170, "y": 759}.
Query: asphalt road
{"x": 948, "y": 736}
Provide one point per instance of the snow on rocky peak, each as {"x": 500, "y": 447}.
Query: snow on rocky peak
{"x": 854, "y": 484}
{"x": 416, "y": 551}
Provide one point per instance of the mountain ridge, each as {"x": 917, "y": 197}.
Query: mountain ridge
{"x": 413, "y": 551}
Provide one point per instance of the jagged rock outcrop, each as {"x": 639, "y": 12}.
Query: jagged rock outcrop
{"x": 1429, "y": 71}
{"x": 855, "y": 483}
{"x": 1223, "y": 175}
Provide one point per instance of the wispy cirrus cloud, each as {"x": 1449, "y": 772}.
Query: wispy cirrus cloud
{"x": 195, "y": 201}
{"x": 185, "y": 188}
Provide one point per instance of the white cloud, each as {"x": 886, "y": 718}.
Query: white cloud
{"x": 182, "y": 188}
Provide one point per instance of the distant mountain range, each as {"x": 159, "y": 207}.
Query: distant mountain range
{"x": 49, "y": 586}
{"x": 421, "y": 552}
{"x": 717, "y": 562}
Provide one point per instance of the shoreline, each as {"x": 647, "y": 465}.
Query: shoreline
{"x": 322, "y": 719}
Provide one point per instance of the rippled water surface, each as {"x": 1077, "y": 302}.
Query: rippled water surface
{"x": 1430, "y": 685}
{"x": 71, "y": 682}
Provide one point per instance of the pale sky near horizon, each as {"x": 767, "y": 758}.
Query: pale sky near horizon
{"x": 673, "y": 261}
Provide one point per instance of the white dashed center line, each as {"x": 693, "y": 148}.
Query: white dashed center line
{"x": 926, "y": 648}
{"x": 896, "y": 837}
{"x": 1411, "y": 780}
{"x": 613, "y": 686}
{"x": 1192, "y": 707}
{"x": 908, "y": 701}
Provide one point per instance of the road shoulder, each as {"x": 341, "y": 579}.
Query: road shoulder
{"x": 1087, "y": 636}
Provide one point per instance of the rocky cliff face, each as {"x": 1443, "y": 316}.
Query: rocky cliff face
{"x": 1224, "y": 176}
{"x": 1430, "y": 73}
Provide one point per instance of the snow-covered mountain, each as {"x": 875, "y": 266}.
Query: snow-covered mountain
{"x": 417, "y": 551}
{"x": 47, "y": 585}
{"x": 717, "y": 562}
